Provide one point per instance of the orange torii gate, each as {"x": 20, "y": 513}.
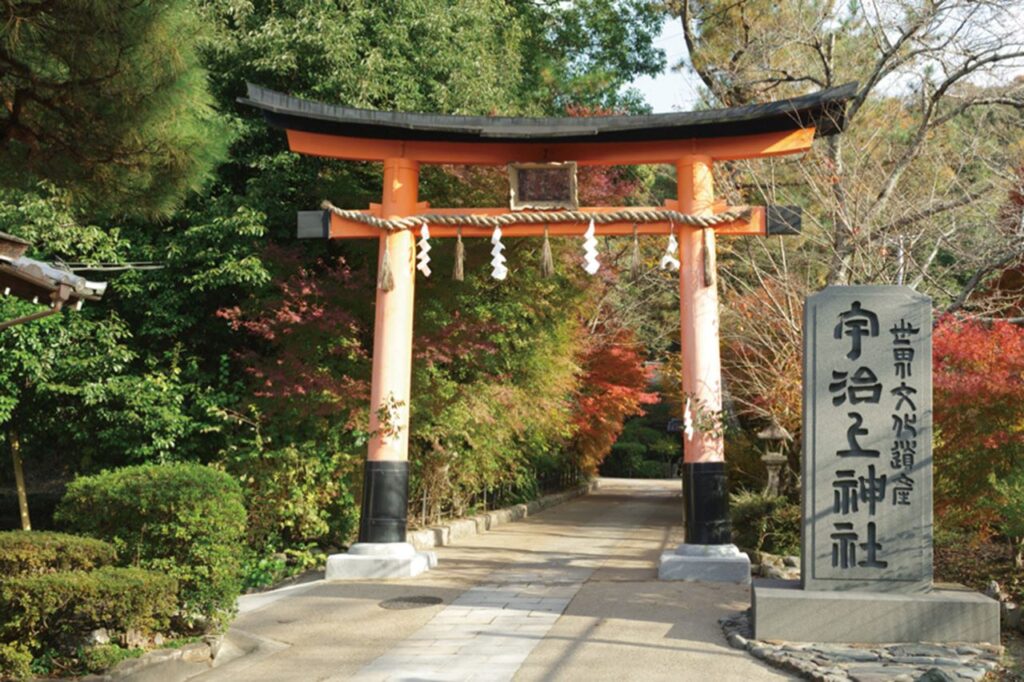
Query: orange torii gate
{"x": 691, "y": 141}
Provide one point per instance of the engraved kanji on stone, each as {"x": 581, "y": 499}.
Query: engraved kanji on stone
{"x": 903, "y": 392}
{"x": 844, "y": 546}
{"x": 903, "y": 358}
{"x": 856, "y": 430}
{"x": 846, "y": 492}
{"x": 901, "y": 489}
{"x": 903, "y": 453}
{"x": 905, "y": 425}
{"x": 872, "y": 489}
{"x": 871, "y": 549}
{"x": 862, "y": 387}
{"x": 902, "y": 331}
{"x": 856, "y": 323}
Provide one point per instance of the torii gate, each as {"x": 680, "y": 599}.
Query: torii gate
{"x": 692, "y": 141}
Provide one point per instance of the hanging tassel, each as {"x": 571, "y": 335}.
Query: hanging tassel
{"x": 460, "y": 257}
{"x": 590, "y": 261}
{"x": 708, "y": 252}
{"x": 635, "y": 264}
{"x": 386, "y": 280}
{"x": 547, "y": 261}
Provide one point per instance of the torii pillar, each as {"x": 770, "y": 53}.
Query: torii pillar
{"x": 692, "y": 141}
{"x": 703, "y": 451}
{"x": 707, "y": 553}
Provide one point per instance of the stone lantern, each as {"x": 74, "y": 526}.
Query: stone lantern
{"x": 775, "y": 438}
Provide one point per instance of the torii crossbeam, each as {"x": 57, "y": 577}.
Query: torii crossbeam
{"x": 691, "y": 141}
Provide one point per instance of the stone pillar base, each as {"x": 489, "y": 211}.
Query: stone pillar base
{"x": 706, "y": 563}
{"x": 783, "y": 611}
{"x": 379, "y": 560}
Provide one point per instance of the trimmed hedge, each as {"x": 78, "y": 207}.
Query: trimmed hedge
{"x": 186, "y": 520}
{"x": 15, "y": 662}
{"x": 36, "y": 552}
{"x": 41, "y": 611}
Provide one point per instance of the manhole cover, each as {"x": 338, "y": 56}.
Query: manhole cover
{"x": 413, "y": 602}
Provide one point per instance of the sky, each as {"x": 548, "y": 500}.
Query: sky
{"x": 678, "y": 90}
{"x": 673, "y": 90}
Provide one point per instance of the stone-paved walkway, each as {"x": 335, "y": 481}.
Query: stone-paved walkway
{"x": 569, "y": 594}
{"x": 486, "y": 634}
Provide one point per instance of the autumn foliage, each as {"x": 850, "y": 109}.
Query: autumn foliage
{"x": 979, "y": 413}
{"x": 306, "y": 352}
{"x": 613, "y": 388}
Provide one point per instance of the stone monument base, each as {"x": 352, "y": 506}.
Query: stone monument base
{"x": 380, "y": 560}
{"x": 951, "y": 613}
{"x": 708, "y": 563}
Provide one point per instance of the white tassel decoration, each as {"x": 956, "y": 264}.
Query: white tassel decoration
{"x": 423, "y": 253}
{"x": 590, "y": 262}
{"x": 688, "y": 421}
{"x": 671, "y": 251}
{"x": 499, "y": 271}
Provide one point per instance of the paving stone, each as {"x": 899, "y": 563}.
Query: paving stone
{"x": 871, "y": 674}
{"x": 485, "y": 633}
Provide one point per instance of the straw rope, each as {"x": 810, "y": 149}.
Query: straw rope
{"x": 540, "y": 217}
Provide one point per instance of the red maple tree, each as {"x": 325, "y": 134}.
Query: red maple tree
{"x": 979, "y": 412}
{"x": 308, "y": 357}
{"x": 614, "y": 383}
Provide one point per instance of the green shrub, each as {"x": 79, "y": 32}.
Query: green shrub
{"x": 35, "y": 552}
{"x": 15, "y": 662}
{"x": 1008, "y": 504}
{"x": 186, "y": 520}
{"x": 292, "y": 495}
{"x": 765, "y": 523}
{"x": 650, "y": 469}
{"x": 97, "y": 659}
{"x": 629, "y": 450}
{"x": 624, "y": 459}
{"x": 53, "y": 609}
{"x": 636, "y": 431}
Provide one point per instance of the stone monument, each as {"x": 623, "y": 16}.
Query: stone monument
{"x": 866, "y": 568}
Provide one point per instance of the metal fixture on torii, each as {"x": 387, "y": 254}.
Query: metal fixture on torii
{"x": 691, "y": 141}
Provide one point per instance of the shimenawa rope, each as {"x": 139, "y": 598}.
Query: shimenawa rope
{"x": 538, "y": 217}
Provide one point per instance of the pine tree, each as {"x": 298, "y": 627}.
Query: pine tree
{"x": 106, "y": 98}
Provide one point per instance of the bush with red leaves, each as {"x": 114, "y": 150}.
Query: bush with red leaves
{"x": 979, "y": 415}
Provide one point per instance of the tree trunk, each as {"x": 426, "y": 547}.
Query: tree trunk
{"x": 19, "y": 478}
{"x": 843, "y": 246}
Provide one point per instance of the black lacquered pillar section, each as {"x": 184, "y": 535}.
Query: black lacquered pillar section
{"x": 706, "y": 504}
{"x": 385, "y": 501}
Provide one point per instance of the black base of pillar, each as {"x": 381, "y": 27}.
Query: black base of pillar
{"x": 385, "y": 501}
{"x": 706, "y": 504}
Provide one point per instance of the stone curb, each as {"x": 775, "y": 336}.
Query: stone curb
{"x": 204, "y": 652}
{"x": 459, "y": 529}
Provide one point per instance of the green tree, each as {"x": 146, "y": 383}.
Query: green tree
{"x": 108, "y": 99}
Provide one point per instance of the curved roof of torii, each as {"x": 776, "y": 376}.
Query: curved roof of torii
{"x": 823, "y": 110}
